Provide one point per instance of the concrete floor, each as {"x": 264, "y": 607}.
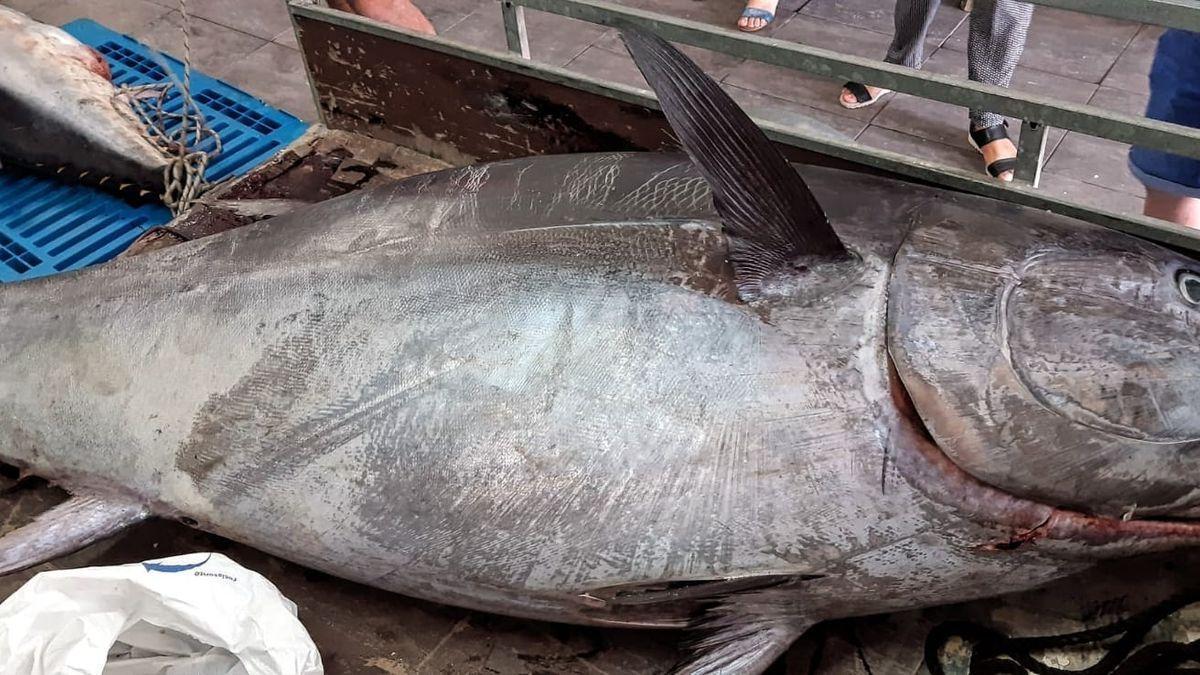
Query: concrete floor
{"x": 1076, "y": 57}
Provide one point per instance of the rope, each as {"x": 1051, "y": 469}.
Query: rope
{"x": 993, "y": 653}
{"x": 180, "y": 135}
{"x": 185, "y": 176}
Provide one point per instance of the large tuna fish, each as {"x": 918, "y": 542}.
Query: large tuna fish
{"x": 567, "y": 388}
{"x": 60, "y": 114}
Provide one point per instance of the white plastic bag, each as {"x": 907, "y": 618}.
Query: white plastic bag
{"x": 197, "y": 614}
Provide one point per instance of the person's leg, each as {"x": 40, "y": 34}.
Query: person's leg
{"x": 1174, "y": 208}
{"x": 399, "y": 13}
{"x": 1172, "y": 181}
{"x": 994, "y": 46}
{"x": 912, "y": 21}
{"x": 997, "y": 38}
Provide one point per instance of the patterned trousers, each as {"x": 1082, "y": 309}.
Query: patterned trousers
{"x": 996, "y": 40}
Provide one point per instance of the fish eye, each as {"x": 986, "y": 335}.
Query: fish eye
{"x": 1189, "y": 287}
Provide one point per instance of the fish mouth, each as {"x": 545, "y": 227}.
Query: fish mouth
{"x": 1055, "y": 530}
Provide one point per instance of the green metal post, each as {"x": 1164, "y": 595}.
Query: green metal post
{"x": 514, "y": 28}
{"x": 1031, "y": 152}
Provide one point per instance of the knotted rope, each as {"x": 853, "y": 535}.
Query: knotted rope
{"x": 181, "y": 135}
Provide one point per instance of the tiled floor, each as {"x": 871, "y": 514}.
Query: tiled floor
{"x": 1070, "y": 56}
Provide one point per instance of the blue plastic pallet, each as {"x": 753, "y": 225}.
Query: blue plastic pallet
{"x": 47, "y": 227}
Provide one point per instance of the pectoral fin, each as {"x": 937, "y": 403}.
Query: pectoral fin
{"x": 81, "y": 520}
{"x": 750, "y": 647}
{"x": 747, "y": 631}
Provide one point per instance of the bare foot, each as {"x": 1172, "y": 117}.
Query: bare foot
{"x": 755, "y": 23}
{"x": 1173, "y": 208}
{"x": 997, "y": 150}
{"x": 399, "y": 13}
{"x": 848, "y": 98}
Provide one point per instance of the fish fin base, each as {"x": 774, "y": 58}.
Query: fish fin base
{"x": 750, "y": 646}
{"x": 78, "y": 522}
{"x": 764, "y": 204}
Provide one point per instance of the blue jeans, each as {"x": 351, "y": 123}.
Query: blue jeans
{"x": 1174, "y": 97}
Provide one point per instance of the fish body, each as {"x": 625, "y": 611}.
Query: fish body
{"x": 61, "y": 115}
{"x": 570, "y": 389}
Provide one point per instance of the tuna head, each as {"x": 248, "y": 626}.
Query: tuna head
{"x": 1054, "y": 360}
{"x": 60, "y": 114}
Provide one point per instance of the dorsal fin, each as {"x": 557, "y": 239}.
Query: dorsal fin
{"x": 769, "y": 214}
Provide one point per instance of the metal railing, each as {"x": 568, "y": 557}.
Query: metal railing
{"x": 1183, "y": 14}
{"x": 1037, "y": 112}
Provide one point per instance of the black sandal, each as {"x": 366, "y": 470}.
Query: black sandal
{"x": 862, "y": 96}
{"x": 996, "y": 132}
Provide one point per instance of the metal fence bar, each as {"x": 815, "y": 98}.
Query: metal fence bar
{"x": 1173, "y": 138}
{"x": 1031, "y": 152}
{"x": 312, "y": 85}
{"x": 843, "y": 148}
{"x": 1183, "y": 14}
{"x": 514, "y": 28}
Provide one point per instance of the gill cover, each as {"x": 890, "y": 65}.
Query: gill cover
{"x": 1055, "y": 360}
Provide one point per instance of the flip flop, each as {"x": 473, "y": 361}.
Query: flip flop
{"x": 996, "y": 132}
{"x": 862, "y": 96}
{"x": 756, "y": 13}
